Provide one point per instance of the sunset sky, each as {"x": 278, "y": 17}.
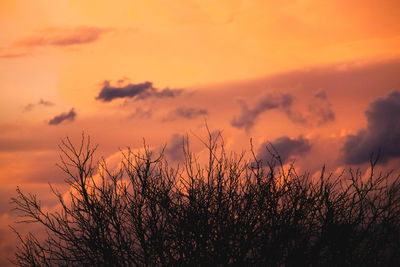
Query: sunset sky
{"x": 320, "y": 80}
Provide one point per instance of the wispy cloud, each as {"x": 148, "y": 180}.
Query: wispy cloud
{"x": 141, "y": 113}
{"x": 14, "y": 55}
{"x": 320, "y": 109}
{"x": 41, "y": 102}
{"x": 137, "y": 91}
{"x": 186, "y": 113}
{"x": 45, "y": 103}
{"x": 63, "y": 37}
{"x": 70, "y": 116}
{"x": 28, "y": 107}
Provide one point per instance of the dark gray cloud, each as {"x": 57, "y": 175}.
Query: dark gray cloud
{"x": 248, "y": 115}
{"x": 109, "y": 93}
{"x": 319, "y": 110}
{"x": 286, "y": 148}
{"x": 138, "y": 91}
{"x": 70, "y": 116}
{"x": 174, "y": 148}
{"x": 381, "y": 134}
{"x": 186, "y": 113}
{"x": 63, "y": 37}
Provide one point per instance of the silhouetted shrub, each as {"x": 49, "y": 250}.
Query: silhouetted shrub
{"x": 229, "y": 211}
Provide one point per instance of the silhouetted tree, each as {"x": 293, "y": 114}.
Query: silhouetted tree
{"x": 229, "y": 211}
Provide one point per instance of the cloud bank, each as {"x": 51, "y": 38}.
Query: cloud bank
{"x": 381, "y": 134}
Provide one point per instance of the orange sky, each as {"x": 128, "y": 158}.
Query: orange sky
{"x": 231, "y": 62}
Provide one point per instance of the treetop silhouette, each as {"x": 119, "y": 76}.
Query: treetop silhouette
{"x": 231, "y": 211}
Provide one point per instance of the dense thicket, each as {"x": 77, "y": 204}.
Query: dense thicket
{"x": 227, "y": 211}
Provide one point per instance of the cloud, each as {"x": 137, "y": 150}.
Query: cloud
{"x": 186, "y": 113}
{"x": 321, "y": 95}
{"x": 45, "y": 103}
{"x": 63, "y": 117}
{"x": 320, "y": 110}
{"x": 41, "y": 102}
{"x": 141, "y": 113}
{"x": 286, "y": 148}
{"x": 174, "y": 149}
{"x": 28, "y": 107}
{"x": 63, "y": 37}
{"x": 138, "y": 91}
{"x": 318, "y": 113}
{"x": 164, "y": 93}
{"x": 14, "y": 55}
{"x": 381, "y": 134}
{"x": 6, "y": 193}
{"x": 17, "y": 144}
{"x": 248, "y": 115}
